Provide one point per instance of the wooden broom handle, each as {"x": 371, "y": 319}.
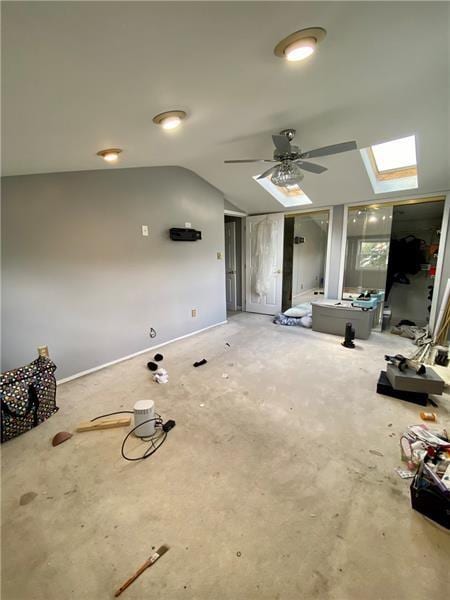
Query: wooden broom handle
{"x": 133, "y": 577}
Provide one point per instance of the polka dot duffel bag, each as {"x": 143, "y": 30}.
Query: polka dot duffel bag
{"x": 28, "y": 397}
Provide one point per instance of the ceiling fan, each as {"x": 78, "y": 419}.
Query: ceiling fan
{"x": 290, "y": 160}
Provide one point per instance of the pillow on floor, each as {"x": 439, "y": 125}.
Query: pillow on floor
{"x": 301, "y": 310}
{"x": 306, "y": 321}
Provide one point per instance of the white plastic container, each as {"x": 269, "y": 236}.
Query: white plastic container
{"x": 143, "y": 411}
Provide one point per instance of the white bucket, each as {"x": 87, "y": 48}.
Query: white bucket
{"x": 143, "y": 411}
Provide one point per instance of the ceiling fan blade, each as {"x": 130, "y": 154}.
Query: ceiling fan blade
{"x": 308, "y": 166}
{"x": 282, "y": 144}
{"x": 250, "y": 160}
{"x": 267, "y": 173}
{"x": 327, "y": 150}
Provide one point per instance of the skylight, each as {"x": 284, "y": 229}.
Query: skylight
{"x": 392, "y": 166}
{"x": 289, "y": 196}
{"x": 396, "y": 154}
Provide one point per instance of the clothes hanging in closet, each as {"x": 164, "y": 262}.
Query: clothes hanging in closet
{"x": 405, "y": 257}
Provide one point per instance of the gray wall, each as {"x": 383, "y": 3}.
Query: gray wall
{"x": 79, "y": 276}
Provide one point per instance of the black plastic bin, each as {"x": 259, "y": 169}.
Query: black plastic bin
{"x": 429, "y": 498}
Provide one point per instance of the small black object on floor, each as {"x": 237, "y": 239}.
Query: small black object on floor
{"x": 384, "y": 387}
{"x": 152, "y": 365}
{"x": 349, "y": 336}
{"x": 200, "y": 362}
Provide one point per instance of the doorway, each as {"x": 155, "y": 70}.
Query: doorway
{"x": 233, "y": 264}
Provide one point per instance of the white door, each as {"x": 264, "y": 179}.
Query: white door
{"x": 230, "y": 265}
{"x": 264, "y": 263}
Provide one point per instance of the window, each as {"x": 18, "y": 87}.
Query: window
{"x": 287, "y": 196}
{"x": 372, "y": 255}
{"x": 392, "y": 166}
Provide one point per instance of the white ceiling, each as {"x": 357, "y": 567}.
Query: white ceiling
{"x": 82, "y": 76}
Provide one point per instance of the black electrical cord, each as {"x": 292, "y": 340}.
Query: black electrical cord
{"x": 119, "y": 412}
{"x": 156, "y": 440}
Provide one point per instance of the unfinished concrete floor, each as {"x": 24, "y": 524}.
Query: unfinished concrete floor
{"x": 268, "y": 487}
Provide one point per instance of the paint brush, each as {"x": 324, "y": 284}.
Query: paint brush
{"x": 148, "y": 563}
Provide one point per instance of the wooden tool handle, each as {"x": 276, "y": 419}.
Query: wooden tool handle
{"x": 133, "y": 577}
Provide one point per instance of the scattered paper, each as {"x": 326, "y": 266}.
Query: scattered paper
{"x": 403, "y": 473}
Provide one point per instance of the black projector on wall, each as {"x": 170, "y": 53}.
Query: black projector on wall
{"x": 179, "y": 234}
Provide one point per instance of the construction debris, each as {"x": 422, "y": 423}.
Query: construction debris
{"x": 104, "y": 424}
{"x": 161, "y": 376}
{"x": 60, "y": 437}
{"x": 403, "y": 473}
{"x": 200, "y": 362}
{"x": 148, "y": 563}
{"x": 428, "y": 416}
{"x": 427, "y": 454}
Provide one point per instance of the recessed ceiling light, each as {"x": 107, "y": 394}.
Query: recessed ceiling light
{"x": 169, "y": 119}
{"x": 110, "y": 154}
{"x": 300, "y": 45}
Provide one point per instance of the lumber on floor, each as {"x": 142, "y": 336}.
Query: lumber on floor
{"x": 104, "y": 424}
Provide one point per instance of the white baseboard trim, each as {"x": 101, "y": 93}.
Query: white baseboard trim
{"x": 118, "y": 360}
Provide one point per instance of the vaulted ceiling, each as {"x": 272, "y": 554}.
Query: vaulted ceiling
{"x": 82, "y": 76}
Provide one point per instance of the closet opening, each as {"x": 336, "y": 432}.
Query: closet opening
{"x": 411, "y": 268}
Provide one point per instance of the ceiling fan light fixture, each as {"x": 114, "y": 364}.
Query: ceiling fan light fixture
{"x": 110, "y": 155}
{"x": 169, "y": 119}
{"x": 300, "y": 44}
{"x": 287, "y": 174}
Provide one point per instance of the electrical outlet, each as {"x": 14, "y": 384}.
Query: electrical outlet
{"x": 145, "y": 230}
{"x": 194, "y": 312}
{"x": 188, "y": 225}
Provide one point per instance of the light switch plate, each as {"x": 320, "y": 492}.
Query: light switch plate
{"x": 145, "y": 230}
{"x": 194, "y": 312}
{"x": 219, "y": 255}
